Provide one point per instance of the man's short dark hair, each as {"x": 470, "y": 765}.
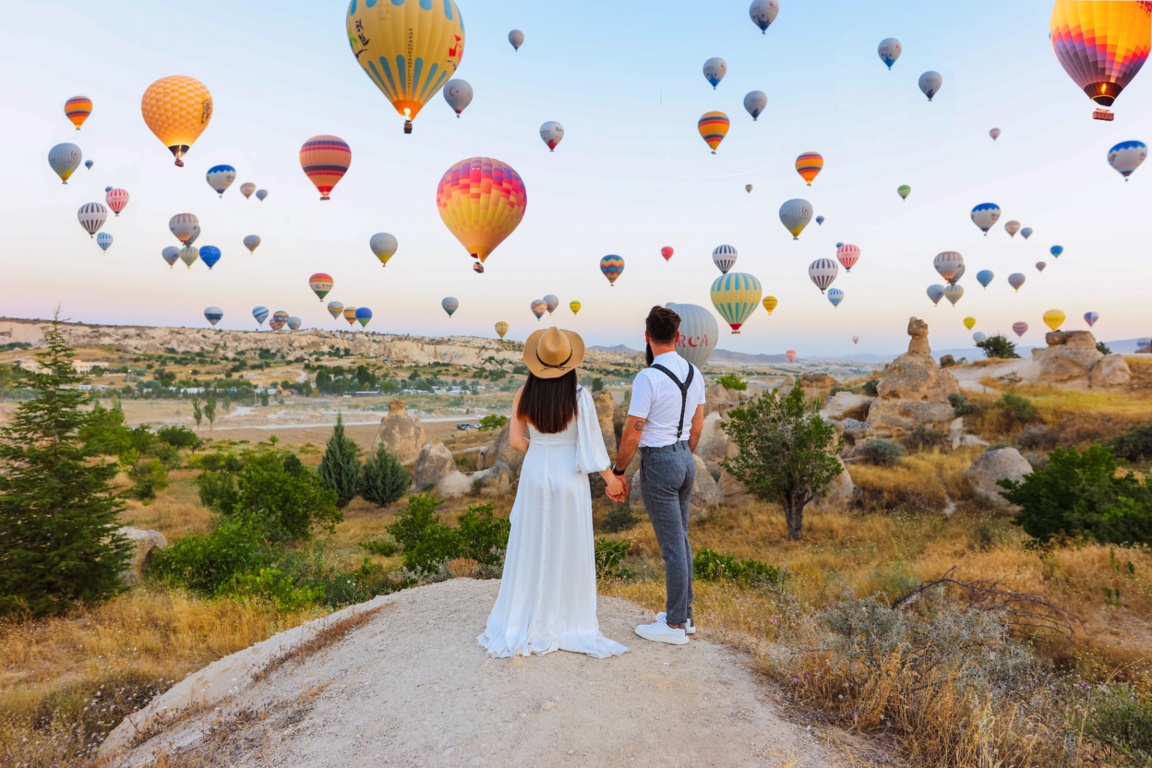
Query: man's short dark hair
{"x": 662, "y": 325}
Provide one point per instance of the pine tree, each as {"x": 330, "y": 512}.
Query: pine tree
{"x": 340, "y": 467}
{"x": 197, "y": 414}
{"x": 59, "y": 540}
{"x": 384, "y": 479}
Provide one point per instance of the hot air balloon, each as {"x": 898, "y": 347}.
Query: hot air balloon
{"x": 713, "y": 127}
{"x": 1026, "y": 232}
{"x": 261, "y": 194}
{"x": 755, "y": 102}
{"x": 77, "y": 110}
{"x": 714, "y": 70}
{"x": 795, "y": 215}
{"x": 246, "y": 189}
{"x": 384, "y": 245}
{"x": 1056, "y": 250}
{"x": 948, "y": 264}
{"x": 261, "y": 314}
{"x": 220, "y": 177}
{"x": 575, "y": 307}
{"x": 450, "y": 304}
{"x": 1054, "y": 318}
{"x": 177, "y": 110}
{"x": 1091, "y": 318}
{"x": 458, "y": 94}
{"x": 408, "y": 50}
{"x": 1126, "y": 157}
{"x": 64, "y": 159}
{"x": 835, "y": 295}
{"x": 552, "y": 301}
{"x": 612, "y": 266}
{"x": 279, "y": 319}
{"x": 969, "y": 323}
{"x": 1101, "y": 45}
{"x": 104, "y": 240}
{"x": 182, "y": 225}
{"x": 189, "y": 254}
{"x": 953, "y": 293}
{"x": 551, "y": 132}
{"x": 321, "y": 284}
{"x": 1020, "y": 328}
{"x": 819, "y": 220}
{"x": 363, "y": 316}
{"x": 213, "y": 315}
{"x": 1016, "y": 279}
{"x": 889, "y": 50}
{"x": 903, "y": 190}
{"x": 325, "y": 160}
{"x": 994, "y": 133}
{"x": 209, "y": 254}
{"x": 698, "y": 333}
{"x": 724, "y": 257}
{"x": 748, "y": 188}
{"x": 335, "y": 309}
{"x": 171, "y": 255}
{"x": 539, "y": 307}
{"x": 516, "y": 37}
{"x": 116, "y": 199}
{"x": 985, "y": 215}
{"x": 350, "y": 315}
{"x": 855, "y": 339}
{"x": 984, "y": 277}
{"x": 790, "y": 355}
{"x": 501, "y": 329}
{"x": 809, "y": 165}
{"x": 1041, "y": 266}
{"x": 88, "y": 164}
{"x": 481, "y": 201}
{"x": 294, "y": 323}
{"x": 252, "y": 242}
{"x": 92, "y": 216}
{"x": 1012, "y": 227}
{"x": 848, "y": 255}
{"x": 735, "y": 296}
{"x": 930, "y": 83}
{"x": 979, "y": 337}
{"x": 823, "y": 272}
{"x": 959, "y": 274}
{"x": 935, "y": 293}
{"x": 770, "y": 304}
{"x": 763, "y": 13}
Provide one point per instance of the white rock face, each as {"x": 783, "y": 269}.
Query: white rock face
{"x": 991, "y": 466}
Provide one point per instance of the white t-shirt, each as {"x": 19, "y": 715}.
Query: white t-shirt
{"x": 656, "y": 399}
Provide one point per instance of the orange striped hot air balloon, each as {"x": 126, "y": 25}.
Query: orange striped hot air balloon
{"x": 1101, "y": 45}
{"x": 177, "y": 109}
{"x": 481, "y": 201}
{"x": 77, "y": 109}
{"x": 809, "y": 165}
{"x": 713, "y": 127}
{"x": 325, "y": 160}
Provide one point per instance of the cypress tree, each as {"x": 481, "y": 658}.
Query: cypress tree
{"x": 59, "y": 540}
{"x": 340, "y": 467}
{"x": 384, "y": 479}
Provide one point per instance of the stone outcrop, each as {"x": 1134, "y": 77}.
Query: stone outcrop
{"x": 718, "y": 399}
{"x": 606, "y": 414}
{"x": 433, "y": 464}
{"x": 846, "y": 405}
{"x": 706, "y": 495}
{"x": 840, "y": 493}
{"x": 1112, "y": 372}
{"x": 1072, "y": 360}
{"x": 403, "y": 434}
{"x": 913, "y": 390}
{"x": 714, "y": 444}
{"x": 502, "y": 451}
{"x": 994, "y": 465}
{"x": 144, "y": 543}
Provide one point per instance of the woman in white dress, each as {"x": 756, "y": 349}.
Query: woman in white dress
{"x": 547, "y": 599}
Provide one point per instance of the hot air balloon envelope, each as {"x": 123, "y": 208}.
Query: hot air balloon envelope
{"x": 736, "y": 296}
{"x": 612, "y": 266}
{"x": 698, "y": 335}
{"x": 324, "y": 159}
{"x": 763, "y": 13}
{"x": 481, "y": 201}
{"x": 177, "y": 109}
{"x": 1101, "y": 45}
{"x": 889, "y": 50}
{"x": 724, "y": 257}
{"x": 713, "y": 127}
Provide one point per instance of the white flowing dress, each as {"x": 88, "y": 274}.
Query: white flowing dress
{"x": 547, "y": 599}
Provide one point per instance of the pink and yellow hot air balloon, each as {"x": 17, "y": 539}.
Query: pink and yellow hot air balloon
{"x": 177, "y": 109}
{"x": 325, "y": 160}
{"x": 1101, "y": 45}
{"x": 713, "y": 127}
{"x": 481, "y": 201}
{"x": 809, "y": 165}
{"x": 77, "y": 110}
{"x": 321, "y": 284}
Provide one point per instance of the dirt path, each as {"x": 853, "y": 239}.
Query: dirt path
{"x": 411, "y": 687}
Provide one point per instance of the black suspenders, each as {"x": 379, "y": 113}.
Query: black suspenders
{"x": 683, "y": 387}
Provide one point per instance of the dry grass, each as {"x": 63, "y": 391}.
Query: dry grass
{"x": 325, "y": 637}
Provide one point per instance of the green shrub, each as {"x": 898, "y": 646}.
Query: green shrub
{"x": 383, "y": 478}
{"x": 998, "y": 346}
{"x": 619, "y": 518}
{"x": 1122, "y": 719}
{"x": 385, "y": 545}
{"x": 286, "y": 497}
{"x": 148, "y": 476}
{"x": 271, "y": 585}
{"x": 732, "y": 381}
{"x": 871, "y": 387}
{"x": 709, "y": 565}
{"x": 493, "y": 421}
{"x": 411, "y": 521}
{"x": 921, "y": 438}
{"x": 339, "y": 468}
{"x": 1078, "y": 494}
{"x": 1103, "y": 348}
{"x": 961, "y": 405}
{"x": 202, "y": 562}
{"x": 429, "y": 543}
{"x": 1017, "y": 409}
{"x": 217, "y": 490}
{"x": 610, "y": 556}
{"x": 881, "y": 452}
{"x": 179, "y": 437}
{"x": 483, "y": 536}
{"x": 1133, "y": 445}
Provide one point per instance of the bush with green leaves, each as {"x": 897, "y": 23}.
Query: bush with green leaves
{"x": 384, "y": 546}
{"x": 1078, "y": 494}
{"x": 732, "y": 381}
{"x": 339, "y": 468}
{"x": 619, "y": 518}
{"x": 923, "y": 438}
{"x": 148, "y": 476}
{"x": 1134, "y": 445}
{"x": 179, "y": 437}
{"x": 273, "y": 586}
{"x": 1103, "y": 348}
{"x": 428, "y": 542}
{"x": 961, "y": 405}
{"x": 383, "y": 479}
{"x": 998, "y": 346}
{"x": 610, "y": 555}
{"x": 709, "y": 565}
{"x": 203, "y": 562}
{"x": 871, "y": 387}
{"x": 881, "y": 452}
{"x": 1122, "y": 720}
{"x": 493, "y": 421}
{"x": 1017, "y": 409}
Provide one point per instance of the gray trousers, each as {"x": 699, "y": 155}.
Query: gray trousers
{"x": 666, "y": 478}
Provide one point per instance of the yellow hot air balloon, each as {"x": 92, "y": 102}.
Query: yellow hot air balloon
{"x": 770, "y": 304}
{"x": 969, "y": 323}
{"x": 809, "y": 165}
{"x": 501, "y": 328}
{"x": 1054, "y": 318}
{"x": 713, "y": 127}
{"x": 408, "y": 49}
{"x": 575, "y": 307}
{"x": 177, "y": 109}
{"x": 481, "y": 201}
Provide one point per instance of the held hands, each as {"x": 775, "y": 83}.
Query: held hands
{"x": 617, "y": 488}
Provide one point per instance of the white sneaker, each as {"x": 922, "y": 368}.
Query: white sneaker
{"x": 660, "y": 632}
{"x": 689, "y": 626}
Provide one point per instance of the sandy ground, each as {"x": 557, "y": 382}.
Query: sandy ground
{"x": 411, "y": 687}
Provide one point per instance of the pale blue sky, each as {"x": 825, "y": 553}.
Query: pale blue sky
{"x": 631, "y": 174}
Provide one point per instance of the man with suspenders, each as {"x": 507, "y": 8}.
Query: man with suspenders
{"x": 665, "y": 418}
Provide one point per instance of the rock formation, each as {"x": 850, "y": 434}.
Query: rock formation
{"x": 1072, "y": 360}
{"x": 403, "y": 434}
{"x": 144, "y": 542}
{"x": 913, "y": 391}
{"x": 433, "y": 464}
{"x": 990, "y": 466}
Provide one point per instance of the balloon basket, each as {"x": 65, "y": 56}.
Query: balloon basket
{"x": 408, "y": 126}
{"x": 179, "y": 163}
{"x": 1103, "y": 114}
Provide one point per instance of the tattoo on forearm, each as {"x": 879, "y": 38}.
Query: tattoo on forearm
{"x": 639, "y": 426}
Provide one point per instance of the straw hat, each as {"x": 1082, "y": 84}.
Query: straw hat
{"x": 551, "y": 353}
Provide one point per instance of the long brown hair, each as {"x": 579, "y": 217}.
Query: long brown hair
{"x": 548, "y": 404}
